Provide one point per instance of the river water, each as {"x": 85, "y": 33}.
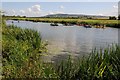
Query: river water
{"x": 70, "y": 40}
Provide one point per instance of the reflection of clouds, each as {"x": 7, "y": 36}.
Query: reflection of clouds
{"x": 70, "y": 39}
{"x": 119, "y": 36}
{"x": 85, "y": 40}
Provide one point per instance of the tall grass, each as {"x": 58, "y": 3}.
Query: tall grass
{"x": 22, "y": 50}
{"x": 99, "y": 65}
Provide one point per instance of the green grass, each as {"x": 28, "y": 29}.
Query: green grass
{"x": 93, "y": 22}
{"x": 22, "y": 50}
{"x": 98, "y": 65}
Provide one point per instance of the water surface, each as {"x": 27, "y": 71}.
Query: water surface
{"x": 70, "y": 40}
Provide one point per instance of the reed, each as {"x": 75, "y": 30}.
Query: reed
{"x": 99, "y": 65}
{"x": 21, "y": 51}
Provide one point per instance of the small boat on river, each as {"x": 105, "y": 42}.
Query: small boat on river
{"x": 54, "y": 24}
{"x": 68, "y": 24}
{"x": 87, "y": 26}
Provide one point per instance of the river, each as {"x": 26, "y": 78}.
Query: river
{"x": 70, "y": 40}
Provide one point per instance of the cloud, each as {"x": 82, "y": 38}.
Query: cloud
{"x": 10, "y": 12}
{"x": 22, "y": 11}
{"x": 101, "y": 14}
{"x": 13, "y": 11}
{"x": 51, "y": 13}
{"x": 116, "y": 7}
{"x": 62, "y": 7}
{"x": 29, "y": 9}
{"x": 35, "y": 9}
{"x": 113, "y": 11}
{"x": 56, "y": 12}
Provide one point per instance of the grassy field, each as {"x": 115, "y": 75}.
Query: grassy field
{"x": 22, "y": 50}
{"x": 93, "y": 22}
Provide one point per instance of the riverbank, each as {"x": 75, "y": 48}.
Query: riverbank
{"x": 97, "y": 23}
{"x": 22, "y": 50}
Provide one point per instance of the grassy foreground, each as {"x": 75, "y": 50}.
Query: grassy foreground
{"x": 22, "y": 49}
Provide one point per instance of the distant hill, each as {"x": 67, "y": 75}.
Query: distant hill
{"x": 76, "y": 16}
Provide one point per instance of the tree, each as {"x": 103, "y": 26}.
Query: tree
{"x": 119, "y": 17}
{"x": 18, "y": 16}
{"x": 3, "y": 15}
{"x": 24, "y": 16}
{"x": 112, "y": 18}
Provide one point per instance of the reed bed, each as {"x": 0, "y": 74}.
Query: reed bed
{"x": 99, "y": 65}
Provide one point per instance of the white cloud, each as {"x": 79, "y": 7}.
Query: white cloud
{"x": 56, "y": 12}
{"x": 116, "y": 7}
{"x": 29, "y": 9}
{"x": 51, "y": 13}
{"x": 10, "y": 12}
{"x": 13, "y": 11}
{"x": 36, "y": 9}
{"x": 22, "y": 11}
{"x": 101, "y": 14}
{"x": 113, "y": 11}
{"x": 62, "y": 7}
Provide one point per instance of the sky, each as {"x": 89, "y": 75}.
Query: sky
{"x": 37, "y": 9}
{"x": 60, "y": 0}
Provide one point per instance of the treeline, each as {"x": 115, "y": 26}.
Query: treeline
{"x": 112, "y": 18}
